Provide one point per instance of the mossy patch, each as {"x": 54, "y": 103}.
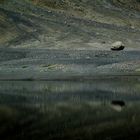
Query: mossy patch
{"x": 137, "y": 70}
{"x": 55, "y": 4}
{"x": 131, "y": 4}
{"x": 2, "y": 1}
{"x": 51, "y": 67}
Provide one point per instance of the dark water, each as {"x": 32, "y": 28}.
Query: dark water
{"x": 97, "y": 110}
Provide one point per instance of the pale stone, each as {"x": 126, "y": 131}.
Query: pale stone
{"x": 117, "y": 44}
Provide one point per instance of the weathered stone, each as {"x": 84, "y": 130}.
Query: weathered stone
{"x": 117, "y": 46}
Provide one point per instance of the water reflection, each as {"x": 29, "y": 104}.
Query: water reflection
{"x": 99, "y": 109}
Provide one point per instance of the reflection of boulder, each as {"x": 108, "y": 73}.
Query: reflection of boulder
{"x": 117, "y": 105}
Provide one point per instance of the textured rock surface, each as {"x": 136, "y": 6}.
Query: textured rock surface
{"x": 83, "y": 24}
{"x": 40, "y": 25}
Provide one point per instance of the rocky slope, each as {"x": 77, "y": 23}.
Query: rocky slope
{"x": 76, "y": 24}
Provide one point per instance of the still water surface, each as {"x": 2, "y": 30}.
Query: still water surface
{"x": 100, "y": 110}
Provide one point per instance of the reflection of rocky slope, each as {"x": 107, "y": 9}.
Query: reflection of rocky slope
{"x": 69, "y": 24}
{"x": 69, "y": 92}
{"x": 69, "y": 110}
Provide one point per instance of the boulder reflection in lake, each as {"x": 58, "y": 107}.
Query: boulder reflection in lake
{"x": 70, "y": 110}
